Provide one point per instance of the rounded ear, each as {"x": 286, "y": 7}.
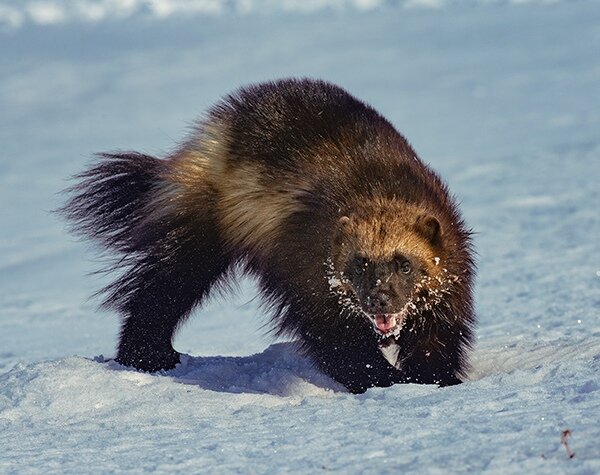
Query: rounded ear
{"x": 344, "y": 222}
{"x": 430, "y": 228}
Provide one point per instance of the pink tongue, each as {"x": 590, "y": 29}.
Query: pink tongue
{"x": 384, "y": 322}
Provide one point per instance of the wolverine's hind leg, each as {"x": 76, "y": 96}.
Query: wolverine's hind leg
{"x": 165, "y": 238}
{"x": 161, "y": 287}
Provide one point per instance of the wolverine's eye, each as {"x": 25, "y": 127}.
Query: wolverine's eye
{"x": 404, "y": 266}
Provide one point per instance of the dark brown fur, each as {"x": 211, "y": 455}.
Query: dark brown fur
{"x": 289, "y": 181}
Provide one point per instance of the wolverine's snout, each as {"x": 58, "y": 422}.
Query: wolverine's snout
{"x": 378, "y": 302}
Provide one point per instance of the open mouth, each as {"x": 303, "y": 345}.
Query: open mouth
{"x": 388, "y": 324}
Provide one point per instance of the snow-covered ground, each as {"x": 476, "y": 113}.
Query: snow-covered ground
{"x": 502, "y": 98}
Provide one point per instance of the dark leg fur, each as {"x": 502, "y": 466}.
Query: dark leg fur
{"x": 169, "y": 262}
{"x": 436, "y": 355}
{"x": 358, "y": 364}
{"x": 159, "y": 291}
{"x": 433, "y": 369}
{"x": 345, "y": 349}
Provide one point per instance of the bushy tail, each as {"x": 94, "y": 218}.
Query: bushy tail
{"x": 111, "y": 199}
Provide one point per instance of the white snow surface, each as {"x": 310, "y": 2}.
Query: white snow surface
{"x": 501, "y": 97}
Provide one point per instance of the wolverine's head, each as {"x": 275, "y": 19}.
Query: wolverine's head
{"x": 388, "y": 262}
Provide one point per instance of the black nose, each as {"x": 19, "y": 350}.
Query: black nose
{"x": 378, "y": 303}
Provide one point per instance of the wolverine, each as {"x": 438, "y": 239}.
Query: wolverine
{"x": 358, "y": 247}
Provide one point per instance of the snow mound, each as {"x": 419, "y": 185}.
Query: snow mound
{"x": 75, "y": 387}
{"x": 231, "y": 414}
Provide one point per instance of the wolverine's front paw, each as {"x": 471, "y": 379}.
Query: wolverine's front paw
{"x": 149, "y": 360}
{"x": 449, "y": 381}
